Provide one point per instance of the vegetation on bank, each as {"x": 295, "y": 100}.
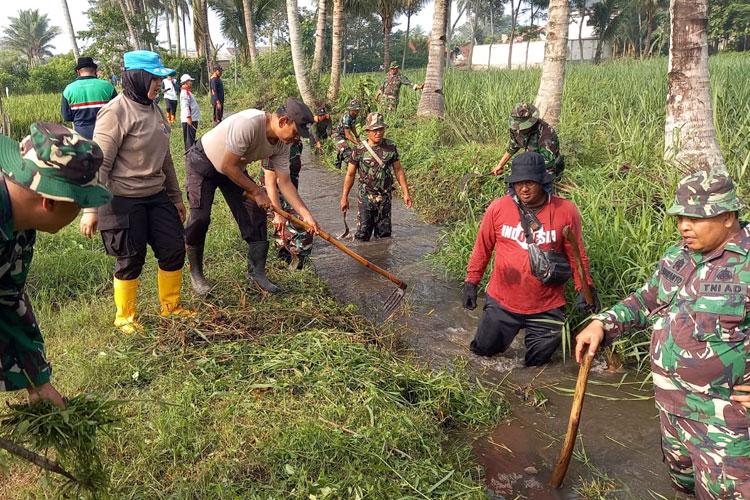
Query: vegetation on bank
{"x": 288, "y": 397}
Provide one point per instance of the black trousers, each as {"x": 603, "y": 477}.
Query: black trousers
{"x": 498, "y": 327}
{"x": 128, "y": 224}
{"x": 171, "y": 105}
{"x": 201, "y": 181}
{"x": 188, "y": 134}
{"x": 218, "y": 112}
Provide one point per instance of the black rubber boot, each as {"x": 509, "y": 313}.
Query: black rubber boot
{"x": 257, "y": 252}
{"x": 201, "y": 286}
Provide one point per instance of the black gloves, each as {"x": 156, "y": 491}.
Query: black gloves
{"x": 588, "y": 308}
{"x": 470, "y": 296}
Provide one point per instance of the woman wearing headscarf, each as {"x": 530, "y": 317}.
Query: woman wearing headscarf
{"x": 147, "y": 206}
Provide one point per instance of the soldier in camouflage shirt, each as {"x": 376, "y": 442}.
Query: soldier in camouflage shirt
{"x": 530, "y": 133}
{"x": 321, "y": 129}
{"x": 44, "y": 185}
{"x": 293, "y": 243}
{"x": 697, "y": 300}
{"x": 376, "y": 160}
{"x": 346, "y": 132}
{"x": 391, "y": 87}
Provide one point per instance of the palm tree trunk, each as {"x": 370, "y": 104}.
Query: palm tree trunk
{"x": 320, "y": 39}
{"x": 580, "y": 33}
{"x": 387, "y": 27}
{"x": 689, "y": 134}
{"x": 649, "y": 31}
{"x": 131, "y": 31}
{"x": 432, "y": 102}
{"x": 492, "y": 37}
{"x": 472, "y": 42}
{"x": 295, "y": 40}
{"x": 71, "y": 31}
{"x": 176, "y": 16}
{"x": 250, "y": 31}
{"x": 184, "y": 32}
{"x": 210, "y": 59}
{"x": 336, "y": 44}
{"x": 169, "y": 33}
{"x": 549, "y": 96}
{"x": 513, "y": 22}
{"x": 406, "y": 42}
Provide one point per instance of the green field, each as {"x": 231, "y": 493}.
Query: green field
{"x": 228, "y": 405}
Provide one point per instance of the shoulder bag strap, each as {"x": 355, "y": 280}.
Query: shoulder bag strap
{"x": 373, "y": 153}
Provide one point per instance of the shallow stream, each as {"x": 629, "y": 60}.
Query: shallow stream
{"x": 619, "y": 429}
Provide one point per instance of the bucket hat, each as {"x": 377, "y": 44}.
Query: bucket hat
{"x": 57, "y": 163}
{"x": 705, "y": 194}
{"x": 354, "y": 104}
{"x": 85, "y": 62}
{"x": 147, "y": 61}
{"x": 523, "y": 116}
{"x": 375, "y": 121}
{"x": 394, "y": 64}
{"x": 529, "y": 166}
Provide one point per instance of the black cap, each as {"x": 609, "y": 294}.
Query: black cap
{"x": 85, "y": 62}
{"x": 529, "y": 166}
{"x": 320, "y": 111}
{"x": 300, "y": 114}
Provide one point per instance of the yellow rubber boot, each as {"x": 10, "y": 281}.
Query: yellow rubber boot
{"x": 170, "y": 284}
{"x": 125, "y": 292}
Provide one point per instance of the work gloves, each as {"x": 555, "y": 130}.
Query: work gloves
{"x": 470, "y": 296}
{"x": 588, "y": 308}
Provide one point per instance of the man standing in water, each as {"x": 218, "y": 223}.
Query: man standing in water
{"x": 346, "y": 132}
{"x": 697, "y": 302}
{"x": 516, "y": 299}
{"x": 219, "y": 160}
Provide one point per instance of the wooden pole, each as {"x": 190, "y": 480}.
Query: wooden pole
{"x": 336, "y": 243}
{"x": 34, "y": 458}
{"x": 583, "y": 374}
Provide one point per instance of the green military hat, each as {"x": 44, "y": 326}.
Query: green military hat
{"x": 375, "y": 121}
{"x": 354, "y": 104}
{"x": 394, "y": 64}
{"x": 57, "y": 163}
{"x": 705, "y": 194}
{"x": 523, "y": 116}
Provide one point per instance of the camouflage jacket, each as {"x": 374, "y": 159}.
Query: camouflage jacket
{"x": 542, "y": 140}
{"x": 348, "y": 121}
{"x": 295, "y": 166}
{"x": 21, "y": 343}
{"x": 391, "y": 86}
{"x": 700, "y": 345}
{"x": 374, "y": 179}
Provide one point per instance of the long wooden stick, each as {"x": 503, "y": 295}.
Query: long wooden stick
{"x": 336, "y": 243}
{"x": 583, "y": 374}
{"x": 34, "y": 458}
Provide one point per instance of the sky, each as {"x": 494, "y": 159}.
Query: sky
{"x": 79, "y": 18}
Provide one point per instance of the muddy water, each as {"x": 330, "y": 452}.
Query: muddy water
{"x": 620, "y": 434}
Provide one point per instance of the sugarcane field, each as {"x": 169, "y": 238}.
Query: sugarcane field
{"x": 392, "y": 249}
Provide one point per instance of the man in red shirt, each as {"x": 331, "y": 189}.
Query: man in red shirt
{"x": 516, "y": 299}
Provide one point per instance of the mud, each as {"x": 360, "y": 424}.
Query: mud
{"x": 619, "y": 429}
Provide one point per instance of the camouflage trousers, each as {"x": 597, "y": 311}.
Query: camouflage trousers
{"x": 343, "y": 153}
{"x": 374, "y": 216}
{"x": 711, "y": 461}
{"x": 390, "y": 103}
{"x": 22, "y": 358}
{"x": 294, "y": 239}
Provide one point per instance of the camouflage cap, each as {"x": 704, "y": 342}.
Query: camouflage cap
{"x": 375, "y": 121}
{"x": 57, "y": 163}
{"x": 394, "y": 64}
{"x": 523, "y": 116}
{"x": 354, "y": 104}
{"x": 705, "y": 194}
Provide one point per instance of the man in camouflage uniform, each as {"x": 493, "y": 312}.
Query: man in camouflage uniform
{"x": 697, "y": 300}
{"x": 321, "y": 129}
{"x": 530, "y": 133}
{"x": 44, "y": 185}
{"x": 347, "y": 132}
{"x": 391, "y": 87}
{"x": 376, "y": 160}
{"x": 293, "y": 243}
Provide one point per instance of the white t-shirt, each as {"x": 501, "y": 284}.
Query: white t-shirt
{"x": 244, "y": 134}
{"x": 169, "y": 89}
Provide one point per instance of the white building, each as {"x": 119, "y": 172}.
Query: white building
{"x": 531, "y": 53}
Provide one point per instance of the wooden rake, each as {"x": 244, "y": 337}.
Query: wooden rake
{"x": 392, "y": 301}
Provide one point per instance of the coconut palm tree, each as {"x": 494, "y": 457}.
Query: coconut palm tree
{"x": 30, "y": 34}
{"x": 515, "y": 8}
{"x": 298, "y": 59}
{"x": 320, "y": 38}
{"x": 336, "y": 39}
{"x": 129, "y": 22}
{"x": 432, "y": 102}
{"x": 411, "y": 7}
{"x": 249, "y": 31}
{"x": 549, "y": 96}
{"x": 689, "y": 134}
{"x": 71, "y": 31}
{"x": 387, "y": 9}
